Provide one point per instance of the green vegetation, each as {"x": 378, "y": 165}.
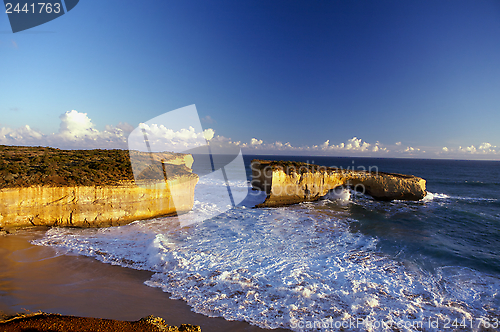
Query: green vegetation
{"x": 26, "y": 166}
{"x": 297, "y": 167}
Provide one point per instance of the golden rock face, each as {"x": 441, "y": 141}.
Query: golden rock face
{"x": 93, "y": 206}
{"x": 289, "y": 183}
{"x": 100, "y": 205}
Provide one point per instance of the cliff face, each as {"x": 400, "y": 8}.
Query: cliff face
{"x": 102, "y": 205}
{"x": 289, "y": 183}
{"x": 86, "y": 206}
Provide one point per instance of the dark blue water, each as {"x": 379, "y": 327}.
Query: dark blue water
{"x": 459, "y": 226}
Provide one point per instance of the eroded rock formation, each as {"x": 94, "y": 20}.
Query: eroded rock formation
{"x": 291, "y": 182}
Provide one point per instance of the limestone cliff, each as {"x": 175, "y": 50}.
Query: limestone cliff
{"x": 288, "y": 182}
{"x": 34, "y": 198}
{"x": 94, "y": 206}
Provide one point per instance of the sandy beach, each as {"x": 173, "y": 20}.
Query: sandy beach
{"x": 34, "y": 278}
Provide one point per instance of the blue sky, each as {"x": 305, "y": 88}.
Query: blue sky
{"x": 405, "y": 78}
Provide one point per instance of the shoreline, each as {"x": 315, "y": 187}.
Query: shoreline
{"x": 35, "y": 278}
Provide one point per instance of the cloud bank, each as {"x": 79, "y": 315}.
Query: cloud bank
{"x": 77, "y": 131}
{"x": 352, "y": 147}
{"x": 357, "y": 147}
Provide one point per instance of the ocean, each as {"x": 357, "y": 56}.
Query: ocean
{"x": 345, "y": 263}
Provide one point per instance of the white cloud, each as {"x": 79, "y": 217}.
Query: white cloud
{"x": 378, "y": 147}
{"x": 399, "y": 149}
{"x": 357, "y": 144}
{"x": 411, "y": 149}
{"x": 469, "y": 149}
{"x": 255, "y": 141}
{"x": 75, "y": 126}
{"x": 484, "y": 148}
{"x": 208, "y": 134}
{"x": 19, "y": 136}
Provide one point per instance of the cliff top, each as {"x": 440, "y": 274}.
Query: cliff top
{"x": 22, "y": 166}
{"x": 300, "y": 167}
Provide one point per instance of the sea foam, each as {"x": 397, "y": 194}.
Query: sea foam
{"x": 283, "y": 266}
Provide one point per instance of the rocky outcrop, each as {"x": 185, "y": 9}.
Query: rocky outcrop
{"x": 102, "y": 205}
{"x": 291, "y": 182}
{"x": 58, "y": 323}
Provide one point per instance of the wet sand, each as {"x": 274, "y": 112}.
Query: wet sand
{"x": 34, "y": 278}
